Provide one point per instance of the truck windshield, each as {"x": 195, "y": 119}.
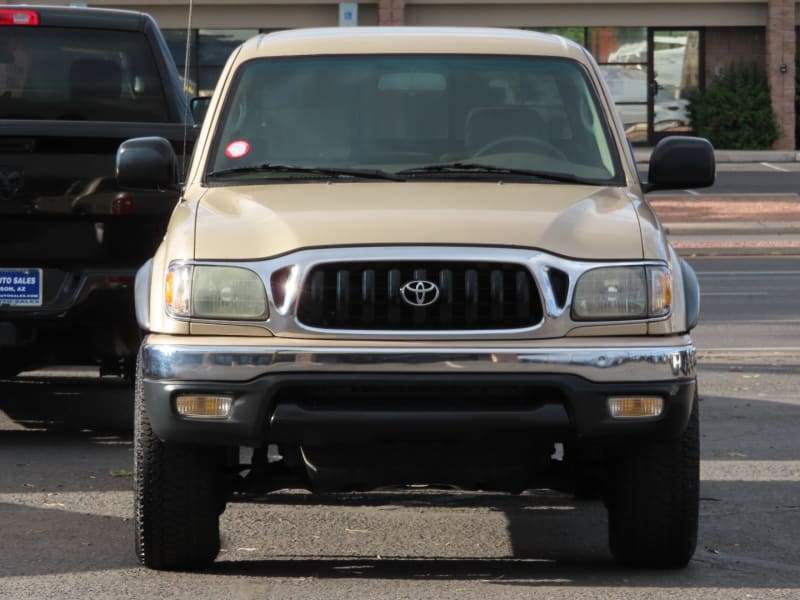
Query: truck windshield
{"x": 409, "y": 115}
{"x": 78, "y": 74}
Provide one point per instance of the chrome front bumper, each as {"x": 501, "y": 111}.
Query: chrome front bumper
{"x": 594, "y": 359}
{"x": 565, "y": 387}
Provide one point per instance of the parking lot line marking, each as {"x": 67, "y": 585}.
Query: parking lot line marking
{"x": 770, "y": 166}
{"x": 735, "y": 293}
{"x": 113, "y": 503}
{"x": 749, "y": 470}
{"x": 749, "y": 273}
{"x": 670, "y": 194}
{"x": 775, "y": 350}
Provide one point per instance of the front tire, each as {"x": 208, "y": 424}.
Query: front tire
{"x": 653, "y": 500}
{"x": 177, "y": 492}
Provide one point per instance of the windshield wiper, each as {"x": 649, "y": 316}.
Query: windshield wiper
{"x": 324, "y": 171}
{"x": 483, "y": 169}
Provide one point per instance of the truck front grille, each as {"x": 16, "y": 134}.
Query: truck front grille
{"x": 415, "y": 296}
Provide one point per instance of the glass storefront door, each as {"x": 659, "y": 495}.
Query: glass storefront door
{"x": 622, "y": 54}
{"x": 674, "y": 72}
{"x": 649, "y": 72}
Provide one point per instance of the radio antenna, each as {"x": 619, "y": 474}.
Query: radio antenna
{"x": 185, "y": 82}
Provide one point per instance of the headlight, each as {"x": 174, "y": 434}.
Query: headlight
{"x": 221, "y": 293}
{"x": 611, "y": 293}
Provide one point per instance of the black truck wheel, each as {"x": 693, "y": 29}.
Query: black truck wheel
{"x": 653, "y": 501}
{"x": 177, "y": 496}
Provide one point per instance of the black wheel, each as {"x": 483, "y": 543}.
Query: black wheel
{"x": 178, "y": 497}
{"x": 11, "y": 365}
{"x": 588, "y": 488}
{"x": 9, "y": 370}
{"x": 653, "y": 501}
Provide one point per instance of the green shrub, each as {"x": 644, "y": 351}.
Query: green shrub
{"x": 735, "y": 111}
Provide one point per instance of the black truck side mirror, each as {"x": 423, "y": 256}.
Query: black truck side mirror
{"x": 681, "y": 162}
{"x": 147, "y": 163}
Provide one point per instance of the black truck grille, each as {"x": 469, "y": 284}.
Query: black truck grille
{"x": 398, "y": 295}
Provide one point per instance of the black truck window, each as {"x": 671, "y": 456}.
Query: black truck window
{"x": 79, "y": 74}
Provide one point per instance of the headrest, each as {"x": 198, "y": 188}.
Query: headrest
{"x": 95, "y": 78}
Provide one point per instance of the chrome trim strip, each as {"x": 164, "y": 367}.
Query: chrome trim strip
{"x": 243, "y": 363}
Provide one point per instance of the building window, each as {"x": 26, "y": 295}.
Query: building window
{"x": 176, "y": 41}
{"x": 621, "y": 53}
{"x": 209, "y": 49}
{"x": 676, "y": 74}
{"x": 576, "y": 34}
{"x": 214, "y": 46}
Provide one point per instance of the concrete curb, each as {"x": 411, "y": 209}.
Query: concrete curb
{"x": 723, "y": 225}
{"x": 728, "y": 198}
{"x": 689, "y": 239}
{"x": 728, "y": 228}
{"x": 690, "y": 251}
{"x": 642, "y": 155}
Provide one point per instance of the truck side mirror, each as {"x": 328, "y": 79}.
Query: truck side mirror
{"x": 147, "y": 163}
{"x": 199, "y": 107}
{"x": 681, "y": 162}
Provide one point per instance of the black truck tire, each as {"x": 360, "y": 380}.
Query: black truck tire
{"x": 653, "y": 501}
{"x": 177, "y": 496}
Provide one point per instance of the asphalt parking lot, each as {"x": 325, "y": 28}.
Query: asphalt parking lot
{"x": 66, "y": 503}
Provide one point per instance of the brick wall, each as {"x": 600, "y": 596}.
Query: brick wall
{"x": 391, "y": 12}
{"x": 728, "y": 45}
{"x": 781, "y": 67}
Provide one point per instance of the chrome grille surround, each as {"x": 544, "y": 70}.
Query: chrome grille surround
{"x": 555, "y": 301}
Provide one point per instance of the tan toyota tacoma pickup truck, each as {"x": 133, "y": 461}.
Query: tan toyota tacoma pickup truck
{"x": 410, "y": 256}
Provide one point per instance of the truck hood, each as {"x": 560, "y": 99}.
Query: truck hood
{"x": 570, "y": 220}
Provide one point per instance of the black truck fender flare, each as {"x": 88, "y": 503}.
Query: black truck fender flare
{"x": 141, "y": 292}
{"x": 691, "y": 292}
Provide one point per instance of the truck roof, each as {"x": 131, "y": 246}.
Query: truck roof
{"x": 83, "y": 17}
{"x": 402, "y": 40}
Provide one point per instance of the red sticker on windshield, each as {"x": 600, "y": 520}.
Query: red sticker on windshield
{"x": 237, "y": 149}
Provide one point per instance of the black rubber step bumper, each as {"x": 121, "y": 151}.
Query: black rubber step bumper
{"x": 309, "y": 408}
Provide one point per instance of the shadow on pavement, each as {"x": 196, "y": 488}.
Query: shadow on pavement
{"x": 68, "y": 404}
{"x": 74, "y": 542}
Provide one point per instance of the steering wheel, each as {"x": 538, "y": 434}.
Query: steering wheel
{"x": 519, "y": 140}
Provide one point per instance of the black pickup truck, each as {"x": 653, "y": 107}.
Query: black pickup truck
{"x": 74, "y": 84}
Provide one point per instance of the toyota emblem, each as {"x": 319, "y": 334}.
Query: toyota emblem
{"x": 420, "y": 292}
